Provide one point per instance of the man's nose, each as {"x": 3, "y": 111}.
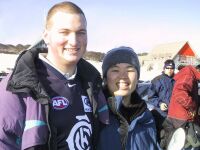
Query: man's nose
{"x": 72, "y": 38}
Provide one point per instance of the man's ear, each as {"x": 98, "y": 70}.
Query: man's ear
{"x": 45, "y": 36}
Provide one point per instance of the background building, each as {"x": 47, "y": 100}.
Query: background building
{"x": 180, "y": 52}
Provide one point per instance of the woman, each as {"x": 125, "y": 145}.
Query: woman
{"x": 132, "y": 126}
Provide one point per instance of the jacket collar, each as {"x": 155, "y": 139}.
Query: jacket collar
{"x": 24, "y": 76}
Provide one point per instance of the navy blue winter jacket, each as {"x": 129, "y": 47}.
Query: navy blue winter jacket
{"x": 136, "y": 133}
{"x": 160, "y": 91}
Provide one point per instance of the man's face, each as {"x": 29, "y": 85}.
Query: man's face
{"x": 168, "y": 70}
{"x": 66, "y": 38}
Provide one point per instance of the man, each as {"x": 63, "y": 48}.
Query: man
{"x": 53, "y": 102}
{"x": 161, "y": 88}
{"x": 198, "y": 67}
{"x": 184, "y": 103}
{"x": 160, "y": 91}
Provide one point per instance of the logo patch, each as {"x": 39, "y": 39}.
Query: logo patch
{"x": 86, "y": 104}
{"x": 71, "y": 85}
{"x": 59, "y": 102}
{"x": 81, "y": 134}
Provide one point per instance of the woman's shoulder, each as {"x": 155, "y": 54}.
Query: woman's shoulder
{"x": 145, "y": 117}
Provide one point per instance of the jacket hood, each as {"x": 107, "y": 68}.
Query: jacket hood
{"x": 24, "y": 76}
{"x": 188, "y": 70}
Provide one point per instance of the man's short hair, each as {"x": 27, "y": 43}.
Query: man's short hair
{"x": 67, "y": 7}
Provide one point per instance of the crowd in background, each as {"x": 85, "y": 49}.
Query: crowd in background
{"x": 175, "y": 98}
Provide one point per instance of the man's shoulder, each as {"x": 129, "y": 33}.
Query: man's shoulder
{"x": 85, "y": 63}
{"x": 4, "y": 82}
{"x": 6, "y": 95}
{"x": 157, "y": 78}
{"x": 86, "y": 69}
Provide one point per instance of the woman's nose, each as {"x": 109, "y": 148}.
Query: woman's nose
{"x": 123, "y": 74}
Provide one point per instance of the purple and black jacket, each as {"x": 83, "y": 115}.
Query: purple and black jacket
{"x": 24, "y": 104}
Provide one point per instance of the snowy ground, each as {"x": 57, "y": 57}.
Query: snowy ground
{"x": 7, "y": 62}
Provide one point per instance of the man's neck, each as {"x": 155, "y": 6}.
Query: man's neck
{"x": 68, "y": 71}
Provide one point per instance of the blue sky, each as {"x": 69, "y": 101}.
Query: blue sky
{"x": 141, "y": 24}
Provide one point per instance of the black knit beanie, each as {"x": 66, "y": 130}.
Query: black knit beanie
{"x": 120, "y": 55}
{"x": 169, "y": 63}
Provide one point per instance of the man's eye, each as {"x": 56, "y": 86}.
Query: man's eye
{"x": 81, "y": 33}
{"x": 64, "y": 33}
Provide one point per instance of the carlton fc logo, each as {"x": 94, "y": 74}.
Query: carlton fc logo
{"x": 59, "y": 102}
{"x": 80, "y": 134}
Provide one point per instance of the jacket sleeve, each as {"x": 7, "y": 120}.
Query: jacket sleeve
{"x": 11, "y": 119}
{"x": 22, "y": 123}
{"x": 183, "y": 90}
{"x": 154, "y": 93}
{"x": 35, "y": 131}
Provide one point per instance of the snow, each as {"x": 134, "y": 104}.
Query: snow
{"x": 7, "y": 61}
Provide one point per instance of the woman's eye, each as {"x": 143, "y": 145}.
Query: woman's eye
{"x": 114, "y": 70}
{"x": 131, "y": 70}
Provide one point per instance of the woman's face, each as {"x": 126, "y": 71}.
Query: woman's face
{"x": 122, "y": 79}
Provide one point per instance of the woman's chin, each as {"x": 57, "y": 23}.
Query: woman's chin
{"x": 121, "y": 93}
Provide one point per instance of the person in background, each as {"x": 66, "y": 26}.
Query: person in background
{"x": 160, "y": 91}
{"x": 161, "y": 88}
{"x": 54, "y": 102}
{"x": 198, "y": 67}
{"x": 181, "y": 66}
{"x": 184, "y": 103}
{"x": 132, "y": 126}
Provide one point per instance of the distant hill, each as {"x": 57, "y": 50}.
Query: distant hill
{"x": 89, "y": 55}
{"x": 12, "y": 49}
{"x": 95, "y": 56}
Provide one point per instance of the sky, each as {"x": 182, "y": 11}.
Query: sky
{"x": 140, "y": 24}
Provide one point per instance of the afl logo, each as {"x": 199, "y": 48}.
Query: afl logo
{"x": 59, "y": 102}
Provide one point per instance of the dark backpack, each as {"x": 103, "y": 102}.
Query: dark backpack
{"x": 192, "y": 135}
